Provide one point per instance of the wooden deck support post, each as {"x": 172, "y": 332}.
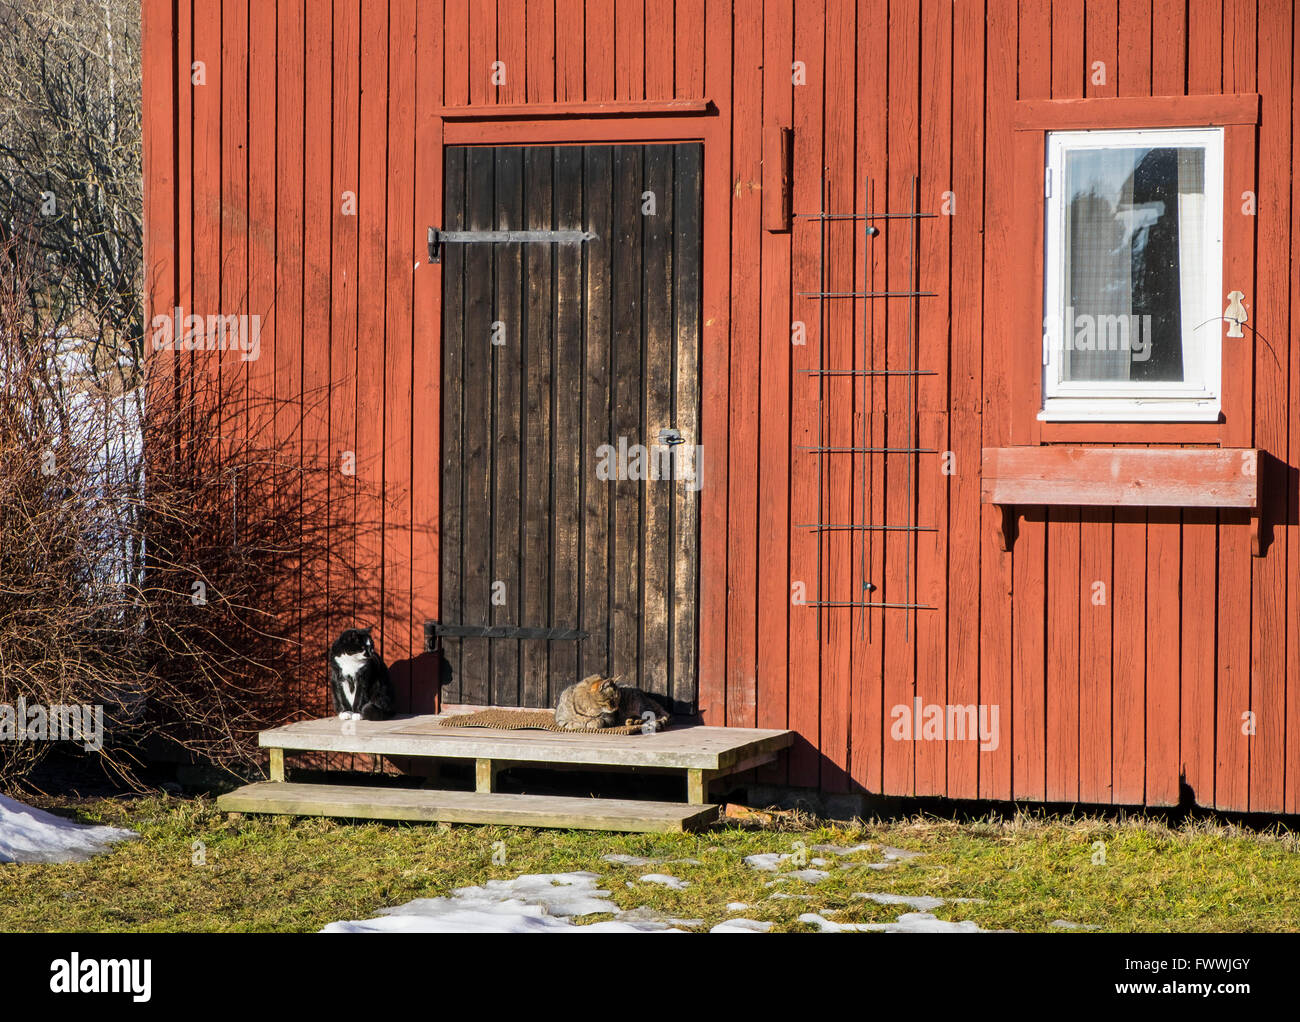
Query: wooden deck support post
{"x": 697, "y": 786}
{"x": 485, "y": 775}
{"x": 277, "y": 764}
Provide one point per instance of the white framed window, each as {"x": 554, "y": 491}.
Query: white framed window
{"x": 1132, "y": 317}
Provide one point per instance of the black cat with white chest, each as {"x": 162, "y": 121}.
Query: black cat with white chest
{"x": 359, "y": 678}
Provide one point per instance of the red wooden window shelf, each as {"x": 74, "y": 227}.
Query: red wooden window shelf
{"x": 1121, "y": 477}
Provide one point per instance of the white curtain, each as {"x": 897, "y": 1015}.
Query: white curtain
{"x": 1191, "y": 248}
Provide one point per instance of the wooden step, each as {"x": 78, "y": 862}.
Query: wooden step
{"x": 420, "y": 804}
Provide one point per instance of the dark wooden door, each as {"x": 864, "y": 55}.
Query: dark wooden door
{"x": 560, "y": 362}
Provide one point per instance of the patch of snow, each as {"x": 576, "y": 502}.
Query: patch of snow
{"x": 908, "y": 922}
{"x": 1065, "y": 924}
{"x": 742, "y": 926}
{"x": 28, "y": 834}
{"x": 645, "y": 914}
{"x": 842, "y": 849}
{"x": 736, "y": 906}
{"x": 533, "y": 903}
{"x": 769, "y": 862}
{"x": 637, "y": 860}
{"x": 665, "y": 880}
{"x": 780, "y": 896}
{"x": 922, "y": 902}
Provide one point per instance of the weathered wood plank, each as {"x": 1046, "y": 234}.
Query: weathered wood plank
{"x": 687, "y": 236}
{"x": 656, "y": 413}
{"x": 705, "y": 748}
{"x": 479, "y": 313}
{"x": 566, "y": 446}
{"x": 422, "y": 805}
{"x": 594, "y": 652}
{"x": 452, "y": 494}
{"x": 1106, "y": 477}
{"x": 538, "y": 373}
{"x": 506, "y": 438}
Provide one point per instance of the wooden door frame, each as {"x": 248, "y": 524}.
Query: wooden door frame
{"x": 607, "y": 124}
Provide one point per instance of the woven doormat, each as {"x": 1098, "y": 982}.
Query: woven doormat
{"x": 529, "y": 720}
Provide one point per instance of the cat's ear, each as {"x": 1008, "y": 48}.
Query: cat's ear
{"x": 596, "y": 685}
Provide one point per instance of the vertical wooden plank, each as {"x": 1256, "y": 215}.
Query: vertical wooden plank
{"x": 805, "y": 682}
{"x": 288, "y": 271}
{"x": 1132, "y": 585}
{"x": 1163, "y": 648}
{"x": 1031, "y": 563}
{"x": 659, "y": 51}
{"x": 1197, "y": 627}
{"x": 1168, "y": 48}
{"x": 1128, "y": 708}
{"x": 772, "y": 700}
{"x": 1232, "y": 680}
{"x": 451, "y": 531}
{"x": 995, "y": 565}
{"x": 965, "y": 374}
{"x": 600, "y": 50}
{"x": 1237, "y": 624}
{"x": 570, "y": 51}
{"x": 261, "y": 419}
{"x": 538, "y": 498}
{"x": 657, "y": 548}
{"x": 371, "y": 412}
{"x": 319, "y": 204}
{"x": 234, "y": 217}
{"x": 541, "y": 38}
{"x": 688, "y": 61}
{"x": 260, "y": 371}
{"x": 838, "y": 576}
{"x": 935, "y": 330}
{"x": 1204, "y": 46}
{"x": 455, "y": 41}
{"x": 510, "y": 51}
{"x": 569, "y": 472}
{"x": 1063, "y": 581}
{"x": 629, "y": 49}
{"x": 1291, "y": 533}
{"x": 478, "y": 428}
{"x": 742, "y": 458}
{"x": 508, "y": 431}
{"x": 716, "y": 331}
{"x": 899, "y": 626}
{"x": 183, "y": 362}
{"x": 426, "y": 354}
{"x": 1272, "y": 320}
{"x": 343, "y": 318}
{"x": 627, "y": 301}
{"x": 482, "y": 55}
{"x": 1096, "y": 531}
{"x": 1102, "y": 47}
{"x": 688, "y": 175}
{"x": 1136, "y": 42}
{"x": 403, "y": 636}
{"x": 597, "y": 386}
{"x": 1164, "y": 534}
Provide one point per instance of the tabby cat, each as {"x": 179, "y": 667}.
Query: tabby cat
{"x": 597, "y": 702}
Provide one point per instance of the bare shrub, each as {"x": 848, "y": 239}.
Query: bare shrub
{"x": 160, "y": 547}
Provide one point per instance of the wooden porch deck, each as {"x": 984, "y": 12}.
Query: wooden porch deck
{"x": 701, "y": 753}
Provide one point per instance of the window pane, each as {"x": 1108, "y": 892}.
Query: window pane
{"x": 1134, "y": 261}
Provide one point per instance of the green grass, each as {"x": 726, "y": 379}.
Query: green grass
{"x": 284, "y": 874}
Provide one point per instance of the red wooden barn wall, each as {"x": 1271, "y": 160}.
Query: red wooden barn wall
{"x": 304, "y": 100}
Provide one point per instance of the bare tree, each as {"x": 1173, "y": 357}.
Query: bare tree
{"x": 70, "y": 170}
